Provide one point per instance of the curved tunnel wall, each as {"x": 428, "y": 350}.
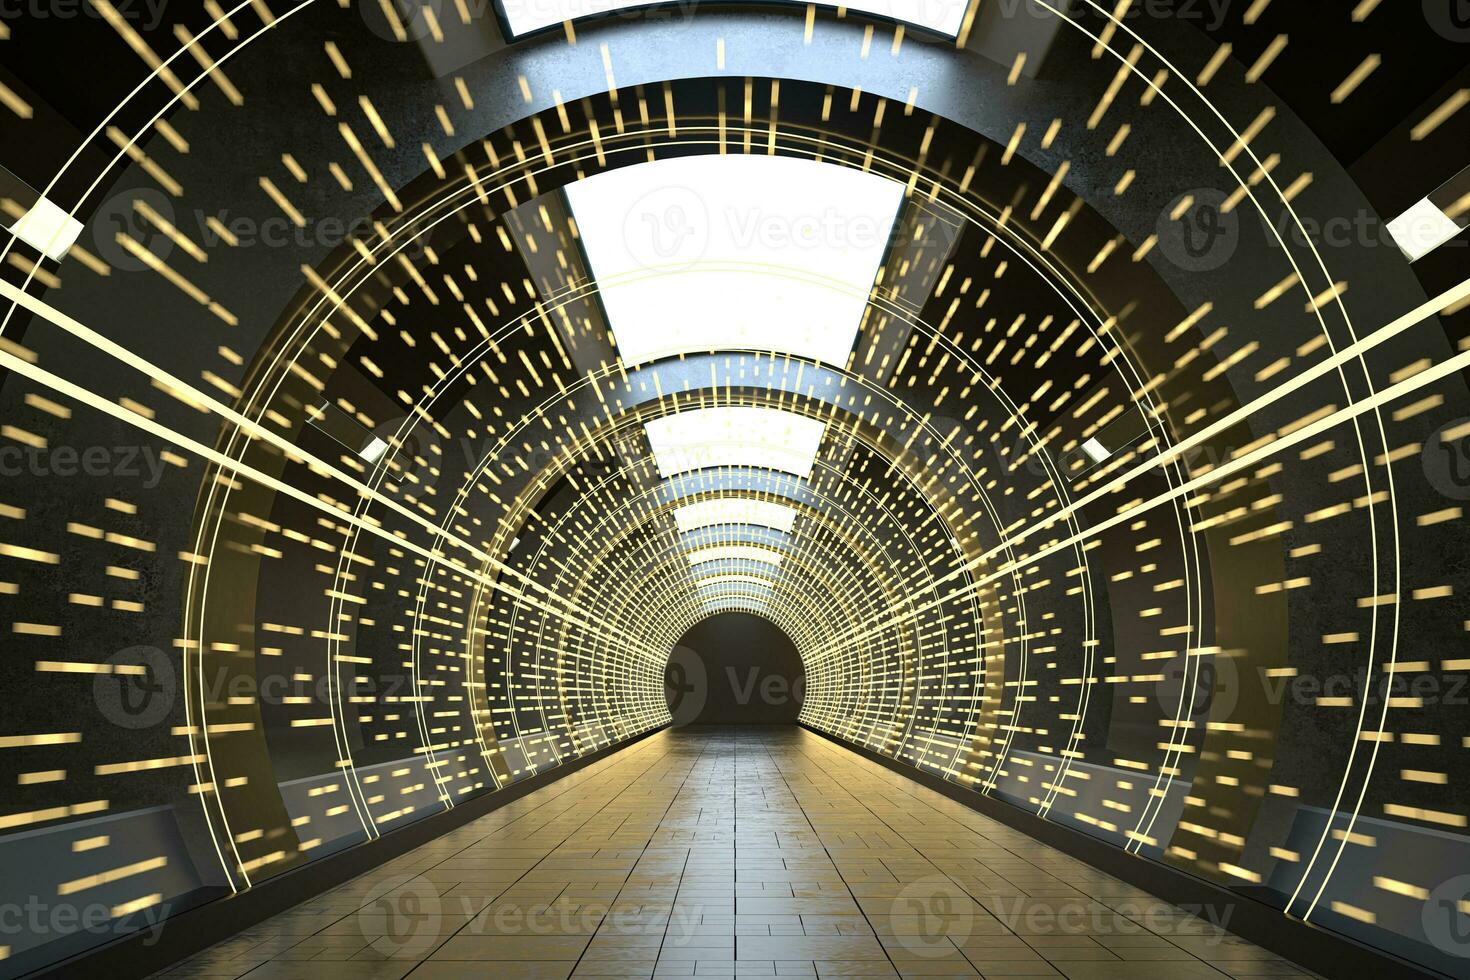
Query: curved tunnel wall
{"x": 338, "y": 504}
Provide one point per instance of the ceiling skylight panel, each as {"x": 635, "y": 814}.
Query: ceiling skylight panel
{"x": 525, "y": 16}
{"x": 734, "y": 510}
{"x": 733, "y": 578}
{"x": 735, "y": 436}
{"x": 735, "y": 252}
{"x": 735, "y": 552}
{"x": 736, "y": 600}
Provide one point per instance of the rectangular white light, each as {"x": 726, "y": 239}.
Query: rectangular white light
{"x": 734, "y": 510}
{"x": 735, "y": 600}
{"x": 1095, "y": 451}
{"x": 941, "y": 16}
{"x": 48, "y": 229}
{"x": 1422, "y": 229}
{"x": 735, "y": 252}
{"x": 713, "y": 580}
{"x": 739, "y": 552}
{"x": 735, "y": 436}
{"x": 373, "y": 451}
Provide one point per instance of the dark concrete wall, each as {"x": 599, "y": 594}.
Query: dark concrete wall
{"x": 732, "y": 669}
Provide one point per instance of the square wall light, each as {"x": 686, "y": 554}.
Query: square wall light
{"x": 1422, "y": 229}
{"x": 48, "y": 229}
{"x": 1095, "y": 450}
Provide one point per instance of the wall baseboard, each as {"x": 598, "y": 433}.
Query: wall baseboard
{"x": 199, "y": 928}
{"x": 1316, "y": 949}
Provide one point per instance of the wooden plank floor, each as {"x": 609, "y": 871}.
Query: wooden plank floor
{"x": 736, "y": 852}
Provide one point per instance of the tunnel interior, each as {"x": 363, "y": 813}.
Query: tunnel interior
{"x": 406, "y": 406}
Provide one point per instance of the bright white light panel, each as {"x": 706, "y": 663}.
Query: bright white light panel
{"x": 735, "y": 436}
{"x": 732, "y": 578}
{"x": 734, "y": 510}
{"x": 735, "y": 552}
{"x": 735, "y": 253}
{"x": 941, "y": 16}
{"x": 48, "y": 229}
{"x": 1422, "y": 229}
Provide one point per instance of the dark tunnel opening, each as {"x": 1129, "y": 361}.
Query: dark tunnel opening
{"x": 735, "y": 668}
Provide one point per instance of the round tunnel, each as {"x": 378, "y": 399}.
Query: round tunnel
{"x": 1065, "y": 403}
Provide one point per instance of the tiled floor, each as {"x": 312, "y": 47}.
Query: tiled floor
{"x": 736, "y": 852}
